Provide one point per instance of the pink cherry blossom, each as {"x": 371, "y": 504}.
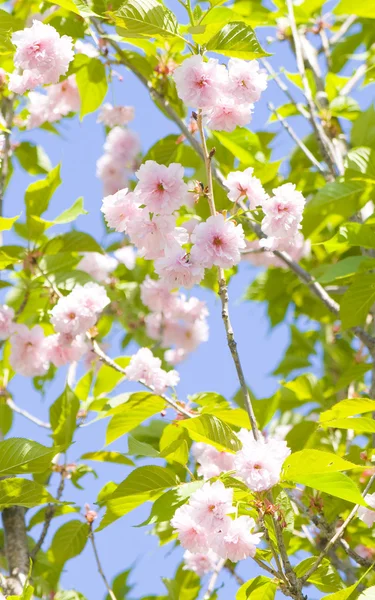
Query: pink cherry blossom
{"x": 146, "y": 368}
{"x": 111, "y": 116}
{"x": 40, "y": 110}
{"x": 212, "y": 462}
{"x": 28, "y": 355}
{"x": 246, "y": 80}
{"x": 63, "y": 349}
{"x": 200, "y": 83}
{"x": 236, "y": 542}
{"x": 365, "y": 514}
{"x": 126, "y": 255}
{"x": 190, "y": 309}
{"x": 156, "y": 295}
{"x": 190, "y": 225}
{"x": 6, "y": 321}
{"x": 76, "y": 313}
{"x": 191, "y": 535}
{"x": 177, "y": 269}
{"x": 217, "y": 242}
{"x": 211, "y": 504}
{"x": 161, "y": 189}
{"x": 200, "y": 562}
{"x": 153, "y": 237}
{"x": 259, "y": 256}
{"x": 123, "y": 144}
{"x": 259, "y": 462}
{"x": 86, "y": 48}
{"x": 64, "y": 97}
{"x": 242, "y": 185}
{"x": 112, "y": 172}
{"x": 92, "y": 296}
{"x": 120, "y": 209}
{"x": 187, "y": 336}
{"x": 283, "y": 214}
{"x": 228, "y": 113}
{"x": 99, "y": 266}
{"x": 174, "y": 356}
{"x": 42, "y": 55}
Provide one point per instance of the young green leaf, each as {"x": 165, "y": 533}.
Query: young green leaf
{"x": 18, "y": 455}
{"x": 211, "y": 430}
{"x": 63, "y": 416}
{"x": 138, "y": 408}
{"x": 237, "y": 40}
{"x": 15, "y": 491}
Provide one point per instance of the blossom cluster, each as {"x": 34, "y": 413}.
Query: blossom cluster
{"x": 32, "y": 351}
{"x": 121, "y": 148}
{"x": 60, "y": 100}
{"x": 146, "y": 368}
{"x": 204, "y": 524}
{"x": 225, "y": 95}
{"x": 282, "y": 212}
{"x": 41, "y": 54}
{"x": 175, "y": 321}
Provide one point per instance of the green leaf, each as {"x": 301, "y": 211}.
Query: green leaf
{"x": 260, "y": 588}
{"x": 135, "y": 410}
{"x": 307, "y": 462}
{"x": 39, "y": 193}
{"x": 92, "y": 85}
{"x": 361, "y": 9}
{"x": 137, "y": 448}
{"x": 70, "y": 214}
{"x": 357, "y": 301}
{"x": 69, "y": 595}
{"x": 59, "y": 511}
{"x": 6, "y": 223}
{"x": 107, "y": 378}
{"x": 68, "y": 541}
{"x": 73, "y": 241}
{"x": 360, "y": 424}
{"x": 146, "y": 18}
{"x": 15, "y": 491}
{"x": 141, "y": 485}
{"x": 343, "y": 594}
{"x": 211, "y": 430}
{"x": 346, "y": 408}
{"x": 112, "y": 457}
{"x": 63, "y": 417}
{"x": 360, "y": 165}
{"x": 33, "y": 158}
{"x": 363, "y": 130}
{"x": 78, "y": 7}
{"x": 335, "y": 484}
{"x": 238, "y": 40}
{"x": 177, "y": 451}
{"x": 325, "y": 578}
{"x": 352, "y": 234}
{"x": 18, "y": 455}
{"x": 6, "y": 418}
{"x": 346, "y": 267}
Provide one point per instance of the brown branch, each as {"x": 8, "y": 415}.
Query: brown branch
{"x": 16, "y": 548}
{"x": 364, "y": 562}
{"x": 50, "y": 511}
{"x": 99, "y": 565}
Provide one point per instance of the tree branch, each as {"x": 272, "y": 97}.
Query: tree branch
{"x": 99, "y": 564}
{"x": 214, "y": 577}
{"x": 27, "y": 415}
{"x": 50, "y": 511}
{"x": 364, "y": 562}
{"x": 284, "y": 88}
{"x": 16, "y": 548}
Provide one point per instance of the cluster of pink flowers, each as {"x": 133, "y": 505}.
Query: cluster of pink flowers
{"x": 226, "y": 95}
{"x": 212, "y": 462}
{"x": 200, "y": 562}
{"x": 204, "y": 524}
{"x": 60, "y": 100}
{"x": 366, "y": 514}
{"x": 121, "y": 148}
{"x": 146, "y": 368}
{"x": 98, "y": 266}
{"x": 41, "y": 54}
{"x": 259, "y": 462}
{"x": 76, "y": 313}
{"x": 176, "y": 322}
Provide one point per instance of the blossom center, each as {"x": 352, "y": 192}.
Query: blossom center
{"x": 217, "y": 241}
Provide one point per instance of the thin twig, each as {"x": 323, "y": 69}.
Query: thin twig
{"x": 357, "y": 76}
{"x": 50, "y": 511}
{"x": 211, "y": 584}
{"x": 26, "y": 414}
{"x": 343, "y": 29}
{"x": 232, "y": 571}
{"x": 223, "y": 289}
{"x": 339, "y": 533}
{"x": 99, "y": 565}
{"x": 364, "y": 562}
{"x": 295, "y": 137}
{"x": 284, "y": 88}
{"x": 8, "y": 112}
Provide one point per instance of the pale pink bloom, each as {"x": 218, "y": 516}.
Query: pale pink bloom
{"x": 6, "y": 321}
{"x": 190, "y": 225}
{"x": 99, "y": 266}
{"x": 174, "y": 356}
{"x": 42, "y": 55}
{"x": 161, "y": 189}
{"x": 212, "y": 462}
{"x": 64, "y": 97}
{"x": 365, "y": 551}
{"x": 187, "y": 336}
{"x": 192, "y": 196}
{"x": 200, "y": 562}
{"x": 283, "y": 212}
{"x": 228, "y": 113}
{"x": 259, "y": 463}
{"x": 365, "y": 514}
{"x": 71, "y": 317}
{"x": 123, "y": 144}
{"x": 246, "y": 80}
{"x": 236, "y": 542}
{"x": 92, "y": 296}
{"x": 156, "y": 295}
{"x": 211, "y": 504}
{"x": 112, "y": 172}
{"x": 86, "y": 48}
{"x": 40, "y": 110}
{"x": 217, "y": 242}
{"x": 111, "y": 116}
{"x": 154, "y": 323}
{"x": 63, "y": 348}
{"x": 146, "y": 368}
{"x": 190, "y": 309}
{"x": 177, "y": 269}
{"x": 120, "y": 209}
{"x": 154, "y": 237}
{"x": 297, "y": 247}
{"x": 191, "y": 535}
{"x": 126, "y": 255}
{"x": 28, "y": 355}
{"x": 242, "y": 185}
{"x": 199, "y": 83}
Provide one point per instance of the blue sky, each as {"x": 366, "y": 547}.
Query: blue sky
{"x": 209, "y": 369}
